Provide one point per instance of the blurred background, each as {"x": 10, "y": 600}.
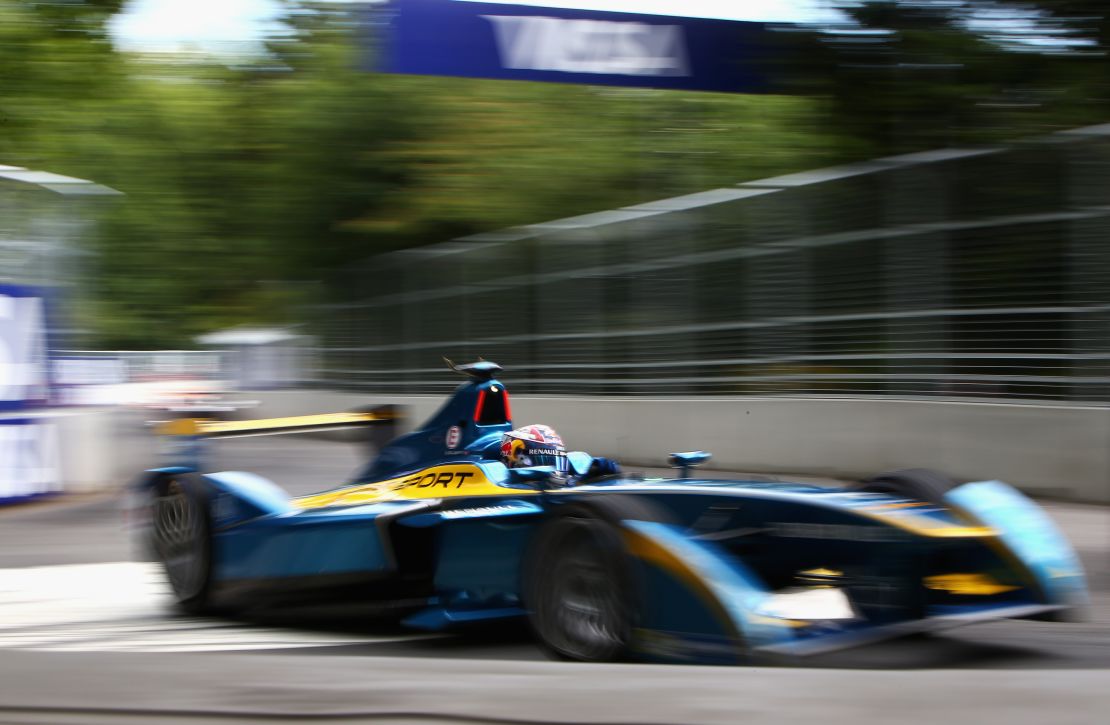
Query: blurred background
{"x": 819, "y": 238}
{"x": 888, "y": 249}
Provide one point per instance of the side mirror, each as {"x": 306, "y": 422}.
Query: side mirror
{"x": 579, "y": 462}
{"x": 685, "y": 462}
{"x": 531, "y": 476}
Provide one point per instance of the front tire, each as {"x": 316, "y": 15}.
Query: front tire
{"x": 181, "y": 534}
{"x": 578, "y": 594}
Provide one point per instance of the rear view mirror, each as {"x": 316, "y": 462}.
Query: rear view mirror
{"x": 579, "y": 462}
{"x": 688, "y": 460}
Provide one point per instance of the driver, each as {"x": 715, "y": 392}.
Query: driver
{"x": 540, "y": 445}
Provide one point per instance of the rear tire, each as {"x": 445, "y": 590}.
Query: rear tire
{"x": 181, "y": 536}
{"x": 918, "y": 483}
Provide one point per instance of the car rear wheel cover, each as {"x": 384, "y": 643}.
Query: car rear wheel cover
{"x": 578, "y": 603}
{"x": 918, "y": 483}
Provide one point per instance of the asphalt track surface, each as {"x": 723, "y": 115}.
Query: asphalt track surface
{"x": 88, "y": 635}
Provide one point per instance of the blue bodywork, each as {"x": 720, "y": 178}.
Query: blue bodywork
{"x": 722, "y": 569}
{"x": 479, "y": 410}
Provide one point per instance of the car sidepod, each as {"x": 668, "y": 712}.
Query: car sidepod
{"x": 478, "y": 553}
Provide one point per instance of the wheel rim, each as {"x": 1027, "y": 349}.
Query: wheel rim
{"x": 178, "y": 539}
{"x": 581, "y": 612}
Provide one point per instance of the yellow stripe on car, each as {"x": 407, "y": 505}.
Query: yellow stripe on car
{"x": 444, "y": 481}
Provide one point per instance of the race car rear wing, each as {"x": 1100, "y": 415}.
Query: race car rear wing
{"x": 385, "y": 415}
{"x": 375, "y": 427}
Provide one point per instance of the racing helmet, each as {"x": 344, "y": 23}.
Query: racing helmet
{"x": 534, "y": 445}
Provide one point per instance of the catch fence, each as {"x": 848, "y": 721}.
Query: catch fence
{"x": 965, "y": 273}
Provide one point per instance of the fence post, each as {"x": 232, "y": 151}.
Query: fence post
{"x": 1088, "y": 190}
{"x": 915, "y": 277}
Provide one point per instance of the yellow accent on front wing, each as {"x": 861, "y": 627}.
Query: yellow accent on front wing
{"x": 443, "y": 481}
{"x": 951, "y": 532}
{"x": 926, "y": 526}
{"x": 821, "y": 573}
{"x": 652, "y": 552}
{"x": 792, "y": 623}
{"x": 968, "y": 584}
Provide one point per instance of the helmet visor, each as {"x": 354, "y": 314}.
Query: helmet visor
{"x": 535, "y": 455}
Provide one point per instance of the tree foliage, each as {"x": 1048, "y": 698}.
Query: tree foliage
{"x": 914, "y": 74}
{"x": 248, "y": 179}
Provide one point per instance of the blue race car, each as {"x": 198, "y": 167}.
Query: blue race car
{"x": 469, "y": 520}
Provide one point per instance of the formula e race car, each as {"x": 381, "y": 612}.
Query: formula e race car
{"x": 610, "y": 567}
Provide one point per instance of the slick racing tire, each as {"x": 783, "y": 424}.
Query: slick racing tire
{"x": 579, "y": 583}
{"x": 181, "y": 536}
{"x": 918, "y": 483}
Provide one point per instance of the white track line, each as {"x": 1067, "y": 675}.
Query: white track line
{"x": 125, "y": 607}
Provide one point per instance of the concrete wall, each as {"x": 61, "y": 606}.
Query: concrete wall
{"x": 103, "y": 448}
{"x": 1057, "y": 451}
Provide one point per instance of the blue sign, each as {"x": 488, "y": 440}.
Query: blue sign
{"x": 23, "y": 357}
{"x": 30, "y": 462}
{"x": 516, "y": 42}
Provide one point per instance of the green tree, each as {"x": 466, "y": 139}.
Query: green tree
{"x": 914, "y": 74}
{"x": 247, "y": 179}
{"x": 55, "y": 60}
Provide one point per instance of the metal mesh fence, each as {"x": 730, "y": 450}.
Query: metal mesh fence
{"x": 957, "y": 273}
{"x": 42, "y": 218}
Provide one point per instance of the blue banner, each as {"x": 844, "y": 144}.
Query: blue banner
{"x": 23, "y": 345}
{"x": 516, "y": 42}
{"x": 30, "y": 461}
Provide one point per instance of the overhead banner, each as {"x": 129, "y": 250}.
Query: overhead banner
{"x": 529, "y": 43}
